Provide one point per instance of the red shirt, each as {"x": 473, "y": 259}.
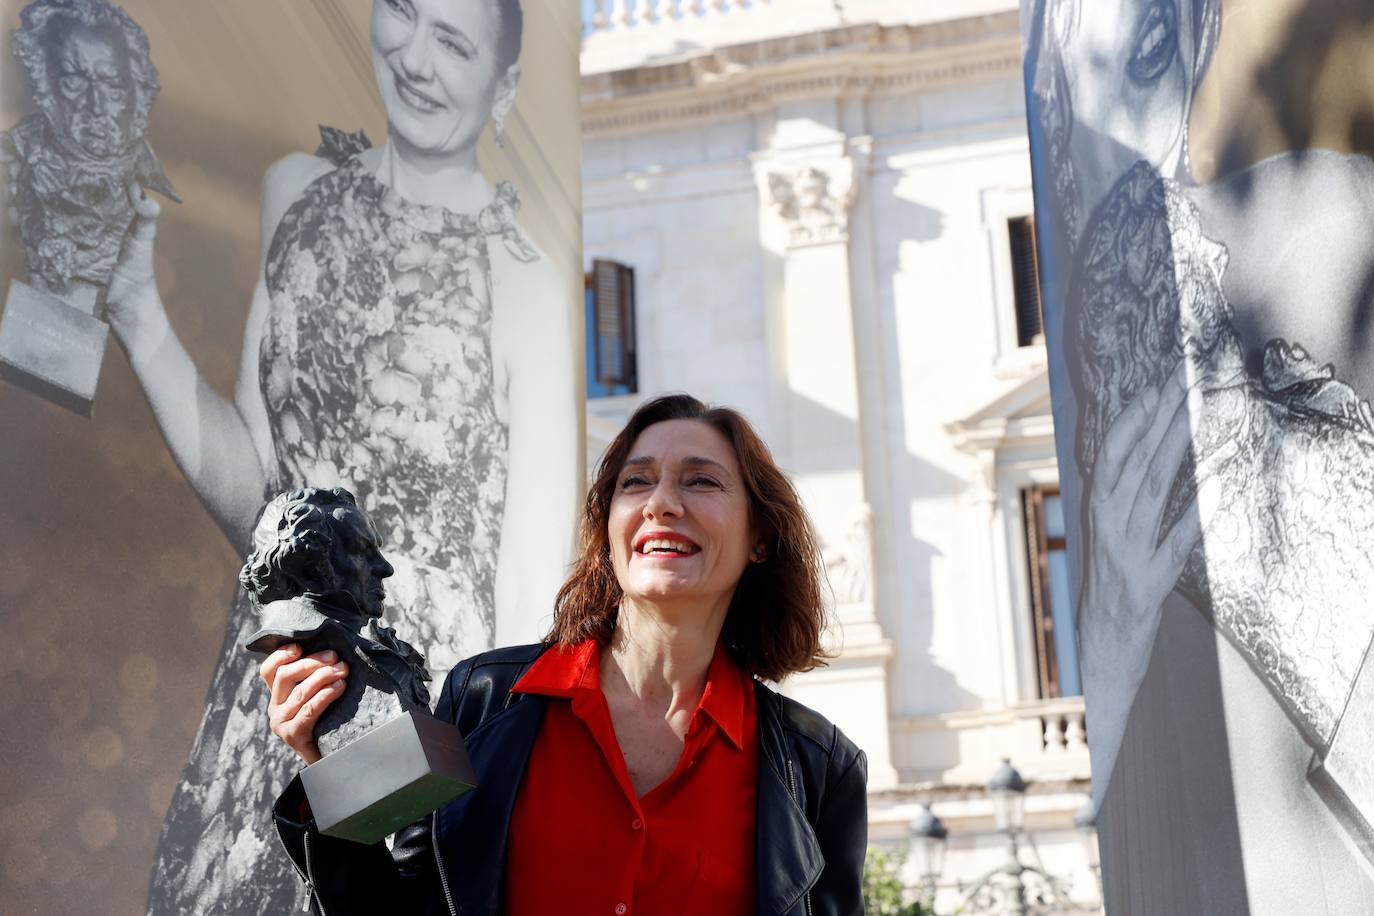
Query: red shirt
{"x": 582, "y": 843}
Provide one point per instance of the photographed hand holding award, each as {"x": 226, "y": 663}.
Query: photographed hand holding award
{"x": 380, "y": 760}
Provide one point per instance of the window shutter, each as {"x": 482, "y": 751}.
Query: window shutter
{"x": 1042, "y": 618}
{"x": 613, "y": 293}
{"x": 1026, "y": 278}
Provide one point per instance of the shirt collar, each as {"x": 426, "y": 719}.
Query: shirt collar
{"x": 565, "y": 671}
{"x": 723, "y": 698}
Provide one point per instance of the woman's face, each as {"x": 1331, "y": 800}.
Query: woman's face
{"x": 1129, "y": 67}
{"x": 436, "y": 70}
{"x": 679, "y": 523}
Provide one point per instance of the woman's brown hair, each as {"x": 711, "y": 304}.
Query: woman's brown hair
{"x": 773, "y": 627}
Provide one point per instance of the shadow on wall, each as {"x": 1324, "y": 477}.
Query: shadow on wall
{"x": 913, "y": 221}
{"x": 904, "y": 564}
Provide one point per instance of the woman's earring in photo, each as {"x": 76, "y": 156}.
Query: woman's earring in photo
{"x": 501, "y": 105}
{"x": 1186, "y": 159}
{"x": 758, "y": 553}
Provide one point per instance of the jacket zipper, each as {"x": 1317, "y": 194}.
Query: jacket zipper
{"x": 310, "y": 874}
{"x": 434, "y": 829}
{"x": 439, "y": 862}
{"x": 309, "y": 885}
{"x": 792, "y": 790}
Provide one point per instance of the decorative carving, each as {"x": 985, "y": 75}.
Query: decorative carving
{"x": 814, "y": 203}
{"x": 849, "y": 560}
{"x": 1018, "y": 888}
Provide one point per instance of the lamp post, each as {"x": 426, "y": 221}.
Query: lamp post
{"x": 1014, "y": 888}
{"x": 1007, "y": 789}
{"x": 1008, "y": 792}
{"x": 928, "y": 837}
{"x": 1011, "y": 888}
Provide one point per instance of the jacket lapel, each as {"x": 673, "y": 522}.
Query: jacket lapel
{"x": 789, "y": 857}
{"x": 472, "y": 829}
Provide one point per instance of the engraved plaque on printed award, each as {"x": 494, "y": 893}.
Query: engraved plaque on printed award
{"x": 50, "y": 348}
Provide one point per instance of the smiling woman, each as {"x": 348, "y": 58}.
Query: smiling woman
{"x": 444, "y": 70}
{"x": 715, "y": 463}
{"x": 642, "y": 721}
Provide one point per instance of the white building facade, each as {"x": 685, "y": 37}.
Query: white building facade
{"x": 818, "y": 200}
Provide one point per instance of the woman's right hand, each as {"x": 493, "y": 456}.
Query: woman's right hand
{"x": 301, "y": 689}
{"x": 1131, "y": 565}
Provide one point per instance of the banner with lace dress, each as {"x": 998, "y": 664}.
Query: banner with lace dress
{"x": 1202, "y": 184}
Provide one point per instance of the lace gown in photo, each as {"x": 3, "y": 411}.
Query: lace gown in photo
{"x": 376, "y": 369}
{"x": 1284, "y": 567}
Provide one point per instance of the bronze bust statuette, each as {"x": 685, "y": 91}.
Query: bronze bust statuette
{"x": 315, "y": 575}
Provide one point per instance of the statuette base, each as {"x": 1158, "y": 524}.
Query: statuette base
{"x": 51, "y": 349}
{"x": 388, "y": 778}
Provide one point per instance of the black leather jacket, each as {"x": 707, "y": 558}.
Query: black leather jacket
{"x": 812, "y": 812}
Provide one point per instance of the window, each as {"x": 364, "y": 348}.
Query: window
{"x": 1025, "y": 272}
{"x": 610, "y": 306}
{"x": 1056, "y": 636}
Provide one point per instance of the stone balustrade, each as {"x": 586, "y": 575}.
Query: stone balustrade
{"x": 605, "y": 15}
{"x": 1061, "y": 725}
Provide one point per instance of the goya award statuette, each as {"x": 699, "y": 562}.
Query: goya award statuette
{"x": 315, "y": 576}
{"x": 67, "y": 170}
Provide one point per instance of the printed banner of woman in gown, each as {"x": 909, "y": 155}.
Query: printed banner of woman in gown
{"x": 407, "y": 339}
{"x": 1211, "y": 383}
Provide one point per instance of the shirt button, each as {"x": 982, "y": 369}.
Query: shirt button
{"x": 636, "y": 824}
{"x": 621, "y": 909}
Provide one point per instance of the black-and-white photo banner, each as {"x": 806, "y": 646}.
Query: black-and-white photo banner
{"x": 250, "y": 247}
{"x": 1203, "y": 194}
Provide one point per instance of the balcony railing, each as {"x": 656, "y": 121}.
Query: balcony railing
{"x": 605, "y": 15}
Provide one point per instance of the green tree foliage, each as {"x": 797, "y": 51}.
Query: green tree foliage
{"x": 883, "y": 888}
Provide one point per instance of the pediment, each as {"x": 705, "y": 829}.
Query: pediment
{"x": 1018, "y": 414}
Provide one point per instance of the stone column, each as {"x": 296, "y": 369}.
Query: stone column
{"x": 806, "y": 197}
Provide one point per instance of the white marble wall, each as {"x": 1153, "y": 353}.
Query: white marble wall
{"x": 683, "y": 207}
{"x": 926, "y": 416}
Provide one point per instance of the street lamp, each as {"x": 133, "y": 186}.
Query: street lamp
{"x": 1013, "y": 888}
{"x": 928, "y": 837}
{"x": 1008, "y": 792}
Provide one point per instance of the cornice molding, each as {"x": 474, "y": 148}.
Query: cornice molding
{"x": 854, "y": 62}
